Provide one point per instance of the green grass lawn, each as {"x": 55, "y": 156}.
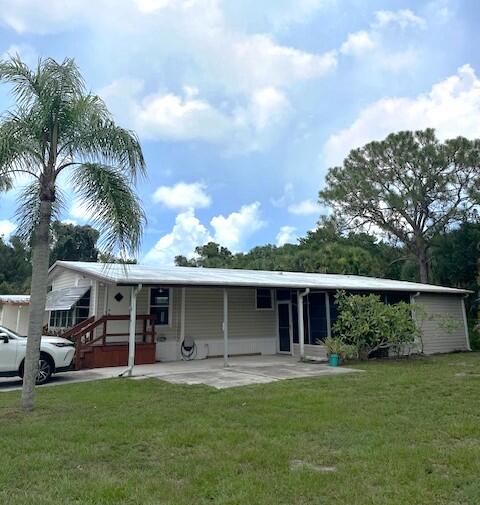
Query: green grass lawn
{"x": 402, "y": 433}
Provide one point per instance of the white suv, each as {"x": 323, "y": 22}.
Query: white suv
{"x": 56, "y": 355}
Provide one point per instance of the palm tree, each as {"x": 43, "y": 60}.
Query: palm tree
{"x": 57, "y": 128}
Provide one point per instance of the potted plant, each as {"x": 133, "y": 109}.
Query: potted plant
{"x": 337, "y": 351}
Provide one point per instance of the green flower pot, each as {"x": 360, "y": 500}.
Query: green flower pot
{"x": 333, "y": 360}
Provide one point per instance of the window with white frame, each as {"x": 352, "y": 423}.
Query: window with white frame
{"x": 264, "y": 299}
{"x": 160, "y": 305}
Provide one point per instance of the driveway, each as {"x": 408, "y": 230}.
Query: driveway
{"x": 242, "y": 371}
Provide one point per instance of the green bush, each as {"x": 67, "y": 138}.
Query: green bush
{"x": 368, "y": 324}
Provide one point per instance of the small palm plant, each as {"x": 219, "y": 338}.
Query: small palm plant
{"x": 57, "y": 128}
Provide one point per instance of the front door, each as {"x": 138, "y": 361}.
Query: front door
{"x": 284, "y": 327}
{"x": 119, "y": 305}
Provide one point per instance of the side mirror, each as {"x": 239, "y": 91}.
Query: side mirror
{"x": 4, "y": 337}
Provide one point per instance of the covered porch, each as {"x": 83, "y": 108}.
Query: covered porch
{"x": 141, "y": 324}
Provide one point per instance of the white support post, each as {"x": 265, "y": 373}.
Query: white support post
{"x": 301, "y": 327}
{"x": 301, "y": 324}
{"x": 465, "y": 323}
{"x": 105, "y": 300}
{"x": 225, "y": 327}
{"x": 182, "y": 317}
{"x": 327, "y": 312}
{"x": 132, "y": 328}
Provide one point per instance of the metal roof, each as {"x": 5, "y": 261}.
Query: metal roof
{"x": 64, "y": 299}
{"x": 188, "y": 276}
{"x": 15, "y": 299}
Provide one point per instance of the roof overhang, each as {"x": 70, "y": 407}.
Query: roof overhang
{"x": 128, "y": 275}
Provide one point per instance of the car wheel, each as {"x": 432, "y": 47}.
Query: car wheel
{"x": 44, "y": 371}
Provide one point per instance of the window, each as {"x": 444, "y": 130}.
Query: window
{"x": 264, "y": 299}
{"x": 160, "y": 305}
{"x": 68, "y": 318}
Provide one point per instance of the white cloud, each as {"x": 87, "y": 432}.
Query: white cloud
{"x": 197, "y": 30}
{"x": 286, "y": 235}
{"x": 452, "y": 106}
{"x": 172, "y": 117}
{"x": 257, "y": 61}
{"x": 183, "y": 196}
{"x": 403, "y": 18}
{"x": 358, "y": 43}
{"x": 304, "y": 208}
{"x": 169, "y": 117}
{"x": 153, "y": 5}
{"x": 187, "y": 233}
{"x": 6, "y": 228}
{"x": 231, "y": 231}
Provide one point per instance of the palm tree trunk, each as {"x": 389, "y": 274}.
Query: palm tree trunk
{"x": 38, "y": 295}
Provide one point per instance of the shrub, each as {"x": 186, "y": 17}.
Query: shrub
{"x": 368, "y": 324}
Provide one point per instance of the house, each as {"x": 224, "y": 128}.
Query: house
{"x": 175, "y": 312}
{"x": 14, "y": 312}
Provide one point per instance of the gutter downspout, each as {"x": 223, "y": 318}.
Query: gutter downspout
{"x": 131, "y": 332}
{"x": 301, "y": 324}
{"x": 465, "y": 322}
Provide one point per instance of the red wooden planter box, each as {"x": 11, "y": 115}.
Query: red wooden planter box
{"x": 99, "y": 356}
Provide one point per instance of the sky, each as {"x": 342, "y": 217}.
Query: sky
{"x": 241, "y": 106}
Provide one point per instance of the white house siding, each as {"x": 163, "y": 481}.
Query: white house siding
{"x": 442, "y": 325}
{"x": 69, "y": 279}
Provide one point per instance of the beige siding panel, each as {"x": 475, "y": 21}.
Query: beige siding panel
{"x": 443, "y": 326}
{"x": 250, "y": 331}
{"x": 244, "y": 321}
{"x": 204, "y": 313}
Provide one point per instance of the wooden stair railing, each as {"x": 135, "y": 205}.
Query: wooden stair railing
{"x": 83, "y": 334}
{"x": 77, "y": 328}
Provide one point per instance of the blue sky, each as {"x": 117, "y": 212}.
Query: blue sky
{"x": 241, "y": 106}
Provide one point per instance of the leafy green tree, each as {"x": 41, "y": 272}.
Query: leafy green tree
{"x": 58, "y": 128}
{"x": 211, "y": 255}
{"x": 15, "y": 268}
{"x": 368, "y": 324}
{"x": 73, "y": 243}
{"x": 410, "y": 186}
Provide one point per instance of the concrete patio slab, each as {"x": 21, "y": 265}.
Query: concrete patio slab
{"x": 242, "y": 371}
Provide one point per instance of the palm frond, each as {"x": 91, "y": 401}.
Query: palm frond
{"x": 102, "y": 141}
{"x": 28, "y": 210}
{"x": 114, "y": 206}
